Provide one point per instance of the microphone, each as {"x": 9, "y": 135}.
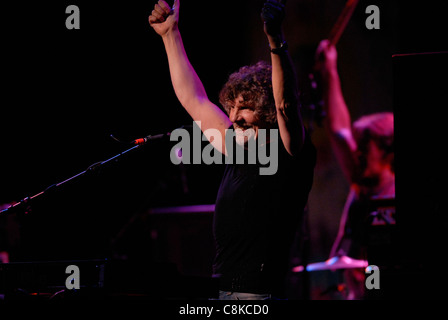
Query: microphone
{"x": 144, "y": 140}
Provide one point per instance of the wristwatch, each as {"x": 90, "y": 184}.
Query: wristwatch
{"x": 283, "y": 47}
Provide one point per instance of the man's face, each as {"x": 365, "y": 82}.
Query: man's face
{"x": 372, "y": 161}
{"x": 245, "y": 121}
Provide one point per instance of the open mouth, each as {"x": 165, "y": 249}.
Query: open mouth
{"x": 242, "y": 135}
{"x": 241, "y": 127}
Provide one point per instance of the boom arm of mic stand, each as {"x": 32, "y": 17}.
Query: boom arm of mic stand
{"x": 26, "y": 201}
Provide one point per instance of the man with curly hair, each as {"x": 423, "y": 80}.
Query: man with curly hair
{"x": 256, "y": 216}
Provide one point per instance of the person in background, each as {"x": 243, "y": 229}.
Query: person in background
{"x": 365, "y": 152}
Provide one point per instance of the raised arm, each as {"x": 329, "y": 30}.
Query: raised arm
{"x": 338, "y": 121}
{"x": 187, "y": 85}
{"x": 284, "y": 81}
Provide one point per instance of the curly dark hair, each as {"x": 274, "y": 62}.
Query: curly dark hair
{"x": 254, "y": 83}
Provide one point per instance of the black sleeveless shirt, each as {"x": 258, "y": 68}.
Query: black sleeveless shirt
{"x": 256, "y": 218}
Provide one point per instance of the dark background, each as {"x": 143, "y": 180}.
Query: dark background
{"x": 65, "y": 91}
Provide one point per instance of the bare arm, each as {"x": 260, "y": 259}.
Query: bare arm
{"x": 187, "y": 85}
{"x": 338, "y": 121}
{"x": 284, "y": 81}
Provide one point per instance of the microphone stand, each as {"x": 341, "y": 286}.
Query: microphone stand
{"x": 27, "y": 200}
